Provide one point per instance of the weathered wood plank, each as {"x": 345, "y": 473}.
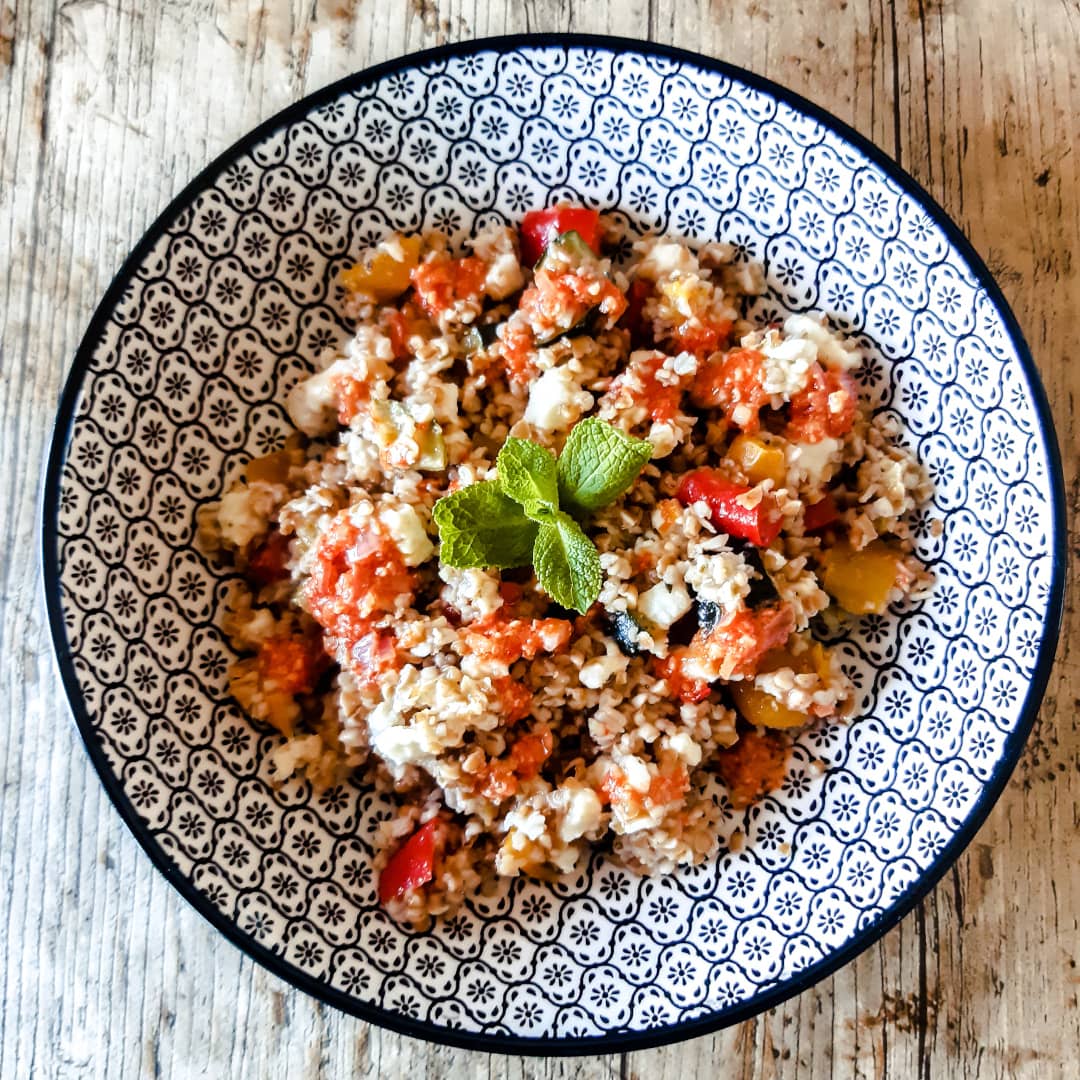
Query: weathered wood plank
{"x": 108, "y": 107}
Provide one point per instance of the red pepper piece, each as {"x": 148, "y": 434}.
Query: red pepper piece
{"x": 540, "y": 227}
{"x": 821, "y": 514}
{"x": 412, "y": 865}
{"x": 634, "y": 317}
{"x": 268, "y": 562}
{"x": 759, "y": 524}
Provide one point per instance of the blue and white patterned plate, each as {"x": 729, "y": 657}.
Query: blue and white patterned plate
{"x": 217, "y": 313}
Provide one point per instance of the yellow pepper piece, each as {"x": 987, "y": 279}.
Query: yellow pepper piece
{"x": 757, "y": 459}
{"x": 381, "y": 273}
{"x": 273, "y": 468}
{"x": 861, "y": 581}
{"x": 757, "y": 707}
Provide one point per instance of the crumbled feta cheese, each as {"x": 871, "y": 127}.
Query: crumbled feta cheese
{"x": 404, "y": 525}
{"x": 582, "y": 814}
{"x": 636, "y": 772}
{"x": 786, "y": 369}
{"x": 664, "y": 606}
{"x": 312, "y": 404}
{"x": 681, "y": 744}
{"x": 602, "y": 670}
{"x": 814, "y": 463}
{"x": 833, "y": 350}
{"x": 556, "y": 400}
{"x": 664, "y": 258}
{"x": 244, "y": 512}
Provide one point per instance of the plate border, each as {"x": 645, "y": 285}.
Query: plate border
{"x": 616, "y": 1042}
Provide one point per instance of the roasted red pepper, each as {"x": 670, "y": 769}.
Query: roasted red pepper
{"x": 821, "y": 514}
{"x": 412, "y": 865}
{"x": 634, "y": 317}
{"x": 759, "y": 524}
{"x": 269, "y": 561}
{"x": 540, "y": 227}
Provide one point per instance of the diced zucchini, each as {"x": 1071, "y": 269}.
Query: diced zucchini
{"x": 478, "y": 338}
{"x": 567, "y": 247}
{"x": 392, "y": 419}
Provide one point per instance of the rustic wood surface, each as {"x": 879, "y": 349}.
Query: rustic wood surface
{"x": 108, "y": 107}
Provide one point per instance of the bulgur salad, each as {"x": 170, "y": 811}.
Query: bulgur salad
{"x": 543, "y": 557}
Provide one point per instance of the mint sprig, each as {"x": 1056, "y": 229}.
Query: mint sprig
{"x": 567, "y": 564}
{"x": 525, "y": 515}
{"x": 479, "y": 526}
{"x": 598, "y": 463}
{"x": 527, "y": 473}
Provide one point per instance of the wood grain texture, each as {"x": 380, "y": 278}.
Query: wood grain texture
{"x": 108, "y": 107}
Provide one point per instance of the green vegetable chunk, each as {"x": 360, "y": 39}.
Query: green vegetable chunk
{"x": 567, "y": 564}
{"x": 597, "y": 465}
{"x": 479, "y": 527}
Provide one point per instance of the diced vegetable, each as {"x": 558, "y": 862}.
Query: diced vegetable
{"x": 625, "y": 630}
{"x": 382, "y": 273}
{"x": 759, "y": 523}
{"x": 291, "y": 665}
{"x": 634, "y": 317}
{"x": 820, "y": 515}
{"x": 269, "y": 561}
{"x": 273, "y": 468}
{"x": 708, "y": 615}
{"x": 762, "y": 709}
{"x": 480, "y": 337}
{"x": 567, "y": 249}
{"x": 861, "y": 581}
{"x": 762, "y": 588}
{"x": 392, "y": 419}
{"x": 540, "y": 227}
{"x": 758, "y": 459}
{"x": 412, "y": 865}
{"x": 441, "y": 284}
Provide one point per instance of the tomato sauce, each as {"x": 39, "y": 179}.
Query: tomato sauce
{"x": 753, "y": 767}
{"x": 352, "y": 395}
{"x": 825, "y": 408}
{"x": 440, "y": 285}
{"x": 516, "y": 350}
{"x": 701, "y": 338}
{"x": 359, "y": 575}
{"x": 733, "y": 380}
{"x": 291, "y": 665}
{"x": 506, "y": 640}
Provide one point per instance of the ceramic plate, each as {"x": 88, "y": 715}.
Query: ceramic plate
{"x": 219, "y": 311}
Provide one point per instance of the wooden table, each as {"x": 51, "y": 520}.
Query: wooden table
{"x": 109, "y": 107}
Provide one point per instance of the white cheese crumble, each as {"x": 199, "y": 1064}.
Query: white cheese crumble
{"x": 833, "y": 350}
{"x": 407, "y": 530}
{"x": 664, "y": 605}
{"x": 556, "y": 401}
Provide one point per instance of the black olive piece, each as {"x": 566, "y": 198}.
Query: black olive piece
{"x": 682, "y": 632}
{"x": 557, "y": 611}
{"x": 707, "y": 615}
{"x": 625, "y": 630}
{"x": 762, "y": 589}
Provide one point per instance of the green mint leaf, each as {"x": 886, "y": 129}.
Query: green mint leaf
{"x": 479, "y": 527}
{"x": 567, "y": 564}
{"x": 527, "y": 473}
{"x": 597, "y": 465}
{"x": 541, "y": 513}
